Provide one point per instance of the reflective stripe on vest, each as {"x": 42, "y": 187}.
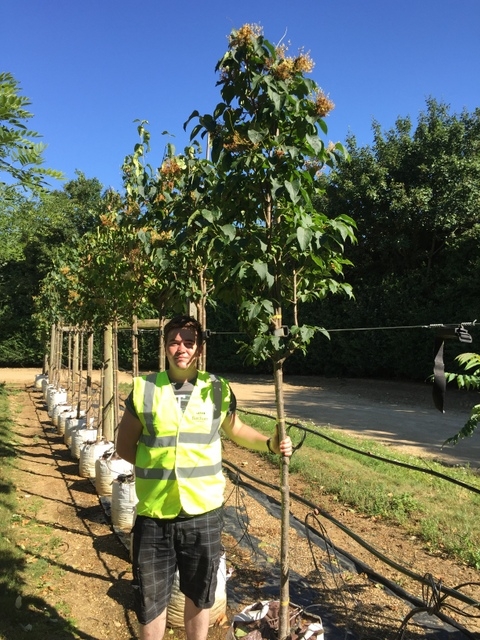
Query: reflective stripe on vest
{"x": 178, "y": 463}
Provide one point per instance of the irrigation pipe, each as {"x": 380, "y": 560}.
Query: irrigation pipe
{"x": 405, "y": 465}
{"x": 398, "y": 567}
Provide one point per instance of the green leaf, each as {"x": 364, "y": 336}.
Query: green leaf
{"x": 229, "y": 230}
{"x": 323, "y": 126}
{"x": 304, "y": 237}
{"x": 318, "y": 260}
{"x": 276, "y": 98}
{"x": 256, "y": 136}
{"x": 208, "y": 215}
{"x": 195, "y": 131}
{"x": 262, "y": 270}
{"x": 276, "y": 185}
{"x": 219, "y": 109}
{"x": 254, "y": 310}
{"x": 292, "y": 189}
{"x": 194, "y": 114}
{"x": 239, "y": 271}
{"x": 315, "y": 142}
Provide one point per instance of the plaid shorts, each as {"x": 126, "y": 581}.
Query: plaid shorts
{"x": 192, "y": 545}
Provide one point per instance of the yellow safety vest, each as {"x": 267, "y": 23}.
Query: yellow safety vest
{"x": 178, "y": 465}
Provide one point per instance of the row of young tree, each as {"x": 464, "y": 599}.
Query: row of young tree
{"x": 239, "y": 227}
{"x": 414, "y": 196}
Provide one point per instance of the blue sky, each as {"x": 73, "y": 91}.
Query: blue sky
{"x": 91, "y": 68}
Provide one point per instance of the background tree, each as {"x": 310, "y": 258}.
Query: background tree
{"x": 81, "y": 201}
{"x": 35, "y": 230}
{"x": 114, "y": 278}
{"x": 166, "y": 203}
{"x": 21, "y": 168}
{"x": 415, "y": 196}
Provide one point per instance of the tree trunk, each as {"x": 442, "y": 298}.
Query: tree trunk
{"x": 80, "y": 371}
{"x": 51, "y": 360}
{"x": 100, "y": 431}
{"x": 116, "y": 399}
{"x": 284, "y": 622}
{"x": 295, "y": 300}
{"x": 107, "y": 392}
{"x": 202, "y": 317}
{"x": 135, "y": 347}
{"x": 161, "y": 346}
{"x": 89, "y": 394}
{"x": 75, "y": 381}
{"x": 58, "y": 358}
{"x": 70, "y": 369}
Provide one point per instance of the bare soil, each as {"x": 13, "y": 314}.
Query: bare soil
{"x": 87, "y": 571}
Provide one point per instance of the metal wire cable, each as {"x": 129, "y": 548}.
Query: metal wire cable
{"x": 438, "y": 325}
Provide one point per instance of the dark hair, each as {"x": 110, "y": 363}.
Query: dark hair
{"x": 180, "y": 322}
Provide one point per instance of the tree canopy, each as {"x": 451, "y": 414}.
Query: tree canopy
{"x": 21, "y": 155}
{"x": 266, "y": 144}
{"x": 252, "y": 221}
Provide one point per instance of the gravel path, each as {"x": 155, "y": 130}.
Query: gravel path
{"x": 398, "y": 414}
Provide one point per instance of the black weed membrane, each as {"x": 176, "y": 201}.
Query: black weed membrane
{"x": 328, "y": 606}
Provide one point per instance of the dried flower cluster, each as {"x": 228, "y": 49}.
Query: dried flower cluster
{"x": 289, "y": 66}
{"x": 316, "y": 165}
{"x": 158, "y": 237}
{"x": 245, "y": 35}
{"x": 323, "y": 104}
{"x": 73, "y": 296}
{"x": 108, "y": 220}
{"x": 132, "y": 207}
{"x": 236, "y": 142}
{"x": 171, "y": 168}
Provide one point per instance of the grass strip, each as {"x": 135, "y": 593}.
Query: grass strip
{"x": 438, "y": 512}
{"x": 27, "y": 552}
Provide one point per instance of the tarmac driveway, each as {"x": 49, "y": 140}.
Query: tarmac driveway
{"x": 397, "y": 414}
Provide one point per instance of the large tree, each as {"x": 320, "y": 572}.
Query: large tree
{"x": 415, "y": 195}
{"x": 33, "y": 231}
{"x": 244, "y": 224}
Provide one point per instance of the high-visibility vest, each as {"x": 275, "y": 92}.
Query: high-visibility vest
{"x": 178, "y": 464}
